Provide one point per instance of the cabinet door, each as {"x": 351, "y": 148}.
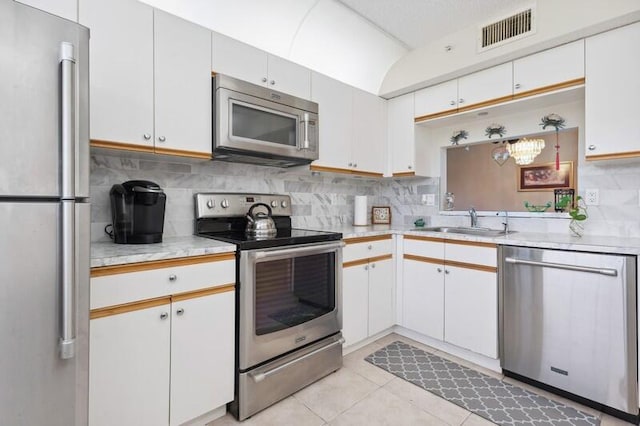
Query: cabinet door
{"x": 67, "y": 9}
{"x": 129, "y": 368}
{"x": 285, "y": 76}
{"x": 182, "y": 84}
{"x": 237, "y": 59}
{"x": 490, "y": 85}
{"x": 382, "y": 300}
{"x": 611, "y": 94}
{"x": 369, "y": 132}
{"x": 441, "y": 98}
{"x": 400, "y": 133}
{"x": 548, "y": 68}
{"x": 121, "y": 63}
{"x": 471, "y": 310}
{"x": 202, "y": 355}
{"x": 355, "y": 302}
{"x": 335, "y": 116}
{"x": 423, "y": 298}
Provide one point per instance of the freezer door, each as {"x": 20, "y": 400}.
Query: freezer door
{"x": 31, "y": 112}
{"x": 38, "y": 386}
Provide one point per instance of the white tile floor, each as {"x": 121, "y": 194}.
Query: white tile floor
{"x": 362, "y": 394}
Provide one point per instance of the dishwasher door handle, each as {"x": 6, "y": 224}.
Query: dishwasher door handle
{"x": 602, "y": 271}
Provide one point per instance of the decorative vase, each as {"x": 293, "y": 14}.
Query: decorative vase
{"x": 576, "y": 227}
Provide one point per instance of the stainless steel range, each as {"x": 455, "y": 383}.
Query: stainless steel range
{"x": 288, "y": 308}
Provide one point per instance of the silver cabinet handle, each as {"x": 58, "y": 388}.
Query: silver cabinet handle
{"x": 264, "y": 79}
{"x": 439, "y": 270}
{"x": 173, "y": 277}
{"x": 409, "y": 167}
{"x": 369, "y": 247}
{"x": 446, "y": 271}
{"x": 146, "y": 136}
{"x": 366, "y": 267}
{"x": 517, "y": 86}
{"x": 461, "y": 101}
{"x": 305, "y": 127}
{"x": 180, "y": 311}
{"x": 258, "y": 377}
{"x": 592, "y": 147}
{"x": 162, "y": 139}
{"x": 68, "y": 146}
{"x": 452, "y": 103}
{"x": 164, "y": 316}
{"x": 601, "y": 271}
{"x": 373, "y": 266}
{"x": 355, "y": 164}
{"x": 272, "y": 82}
{"x": 350, "y": 164}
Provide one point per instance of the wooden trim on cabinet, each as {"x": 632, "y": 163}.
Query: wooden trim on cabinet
{"x": 471, "y": 243}
{"x": 551, "y": 88}
{"x": 102, "y": 271}
{"x": 97, "y": 143}
{"x": 474, "y": 266}
{"x": 614, "y": 156}
{"x": 367, "y": 174}
{"x": 483, "y": 104}
{"x": 128, "y": 307}
{"x": 366, "y": 260}
{"x": 356, "y": 240}
{"x": 203, "y": 292}
{"x": 315, "y": 168}
{"x": 424, "y": 259}
{"x": 421, "y": 238}
{"x": 183, "y": 153}
{"x": 435, "y": 115}
{"x": 403, "y": 174}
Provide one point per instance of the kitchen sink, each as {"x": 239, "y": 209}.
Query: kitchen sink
{"x": 482, "y": 232}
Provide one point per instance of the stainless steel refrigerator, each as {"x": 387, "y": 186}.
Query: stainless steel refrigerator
{"x": 44, "y": 218}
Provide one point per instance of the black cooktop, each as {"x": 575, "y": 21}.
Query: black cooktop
{"x": 232, "y": 230}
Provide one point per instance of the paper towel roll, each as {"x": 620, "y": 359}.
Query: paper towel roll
{"x": 360, "y": 210}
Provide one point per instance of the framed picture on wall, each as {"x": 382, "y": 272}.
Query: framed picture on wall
{"x": 545, "y": 177}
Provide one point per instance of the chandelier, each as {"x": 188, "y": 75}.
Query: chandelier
{"x": 525, "y": 150}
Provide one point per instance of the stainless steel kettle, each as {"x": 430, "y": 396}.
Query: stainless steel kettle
{"x": 260, "y": 224}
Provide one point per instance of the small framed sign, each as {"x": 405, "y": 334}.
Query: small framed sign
{"x": 381, "y": 215}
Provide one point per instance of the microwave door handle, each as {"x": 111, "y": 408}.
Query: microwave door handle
{"x": 305, "y": 122}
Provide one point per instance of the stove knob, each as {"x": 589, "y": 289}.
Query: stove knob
{"x": 274, "y": 204}
{"x": 224, "y": 203}
{"x": 210, "y": 204}
{"x": 284, "y": 204}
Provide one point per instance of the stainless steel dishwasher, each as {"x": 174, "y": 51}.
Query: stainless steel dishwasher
{"x": 568, "y": 323}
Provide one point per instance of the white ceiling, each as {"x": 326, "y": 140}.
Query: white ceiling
{"x": 416, "y": 23}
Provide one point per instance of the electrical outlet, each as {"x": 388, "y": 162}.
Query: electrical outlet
{"x": 431, "y": 199}
{"x": 591, "y": 197}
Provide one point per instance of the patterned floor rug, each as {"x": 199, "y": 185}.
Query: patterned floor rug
{"x": 488, "y": 397}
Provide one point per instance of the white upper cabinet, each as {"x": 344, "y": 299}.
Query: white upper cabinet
{"x": 612, "y": 91}
{"x": 401, "y": 134}
{"x": 562, "y": 64}
{"x": 441, "y": 98}
{"x": 67, "y": 9}
{"x": 121, "y": 64}
{"x": 335, "y": 110}
{"x": 182, "y": 84}
{"x": 368, "y": 152}
{"x": 245, "y": 62}
{"x": 490, "y": 85}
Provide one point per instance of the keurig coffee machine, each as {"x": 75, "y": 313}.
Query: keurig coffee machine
{"x": 137, "y": 212}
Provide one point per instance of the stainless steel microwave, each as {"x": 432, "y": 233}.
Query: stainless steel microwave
{"x": 257, "y": 125}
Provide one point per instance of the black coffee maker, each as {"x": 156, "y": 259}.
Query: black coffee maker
{"x": 137, "y": 212}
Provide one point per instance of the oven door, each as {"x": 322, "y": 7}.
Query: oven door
{"x": 288, "y": 298}
{"x": 253, "y": 124}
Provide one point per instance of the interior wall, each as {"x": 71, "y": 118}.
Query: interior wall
{"x": 477, "y": 180}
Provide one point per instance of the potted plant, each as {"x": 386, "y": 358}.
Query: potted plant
{"x": 577, "y": 212}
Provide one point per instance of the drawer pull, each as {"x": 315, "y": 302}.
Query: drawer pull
{"x": 164, "y": 316}
{"x": 173, "y": 277}
{"x": 180, "y": 311}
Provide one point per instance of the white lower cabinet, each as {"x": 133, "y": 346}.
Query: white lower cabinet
{"x": 162, "y": 360}
{"x": 368, "y": 288}
{"x": 450, "y": 292}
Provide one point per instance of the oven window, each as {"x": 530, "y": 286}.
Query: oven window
{"x": 257, "y": 124}
{"x": 293, "y": 291}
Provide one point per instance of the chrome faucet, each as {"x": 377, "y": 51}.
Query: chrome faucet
{"x": 474, "y": 217}
{"x": 506, "y": 221}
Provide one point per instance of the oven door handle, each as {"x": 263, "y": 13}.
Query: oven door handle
{"x": 258, "y": 377}
{"x": 298, "y": 250}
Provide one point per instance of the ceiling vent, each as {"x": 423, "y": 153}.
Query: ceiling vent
{"x": 508, "y": 29}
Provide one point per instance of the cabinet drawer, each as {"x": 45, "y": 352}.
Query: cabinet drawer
{"x": 365, "y": 247}
{"x": 134, "y": 282}
{"x": 424, "y": 246}
{"x": 472, "y": 252}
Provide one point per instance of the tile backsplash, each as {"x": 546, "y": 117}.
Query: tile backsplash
{"x": 322, "y": 200}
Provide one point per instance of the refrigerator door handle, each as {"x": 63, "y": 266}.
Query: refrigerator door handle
{"x": 68, "y": 119}
{"x": 68, "y": 159}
